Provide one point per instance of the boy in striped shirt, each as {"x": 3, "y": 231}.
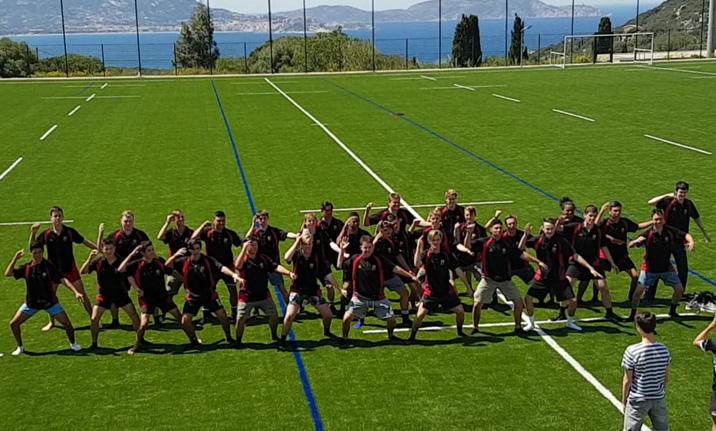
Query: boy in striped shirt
{"x": 646, "y": 374}
{"x": 707, "y": 344}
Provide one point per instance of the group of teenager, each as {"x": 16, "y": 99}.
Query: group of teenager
{"x": 420, "y": 260}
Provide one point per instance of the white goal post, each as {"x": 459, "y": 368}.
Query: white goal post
{"x": 637, "y": 48}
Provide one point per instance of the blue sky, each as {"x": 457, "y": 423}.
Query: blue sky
{"x": 256, "y": 6}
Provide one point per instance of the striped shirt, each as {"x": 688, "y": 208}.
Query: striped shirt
{"x": 710, "y": 346}
{"x": 648, "y": 362}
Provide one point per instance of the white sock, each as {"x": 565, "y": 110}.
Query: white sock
{"x": 18, "y": 351}
{"x": 570, "y": 320}
{"x": 404, "y": 312}
{"x": 76, "y": 347}
{"x": 532, "y": 320}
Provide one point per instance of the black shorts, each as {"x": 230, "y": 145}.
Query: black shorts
{"x": 193, "y": 306}
{"x": 713, "y": 406}
{"x": 575, "y": 270}
{"x": 107, "y": 302}
{"x": 561, "y": 288}
{"x": 624, "y": 263}
{"x": 526, "y": 274}
{"x": 446, "y": 302}
{"x": 149, "y": 307}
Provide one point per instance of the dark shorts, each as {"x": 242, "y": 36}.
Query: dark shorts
{"x": 73, "y": 275}
{"x": 193, "y": 306}
{"x": 713, "y": 406}
{"x": 581, "y": 273}
{"x": 526, "y": 274}
{"x": 446, "y": 302}
{"x": 149, "y": 307}
{"x": 561, "y": 288}
{"x": 108, "y": 302}
{"x": 624, "y": 263}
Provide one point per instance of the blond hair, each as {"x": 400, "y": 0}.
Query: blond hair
{"x": 127, "y": 213}
{"x": 310, "y": 216}
{"x": 306, "y": 239}
{"x": 451, "y": 192}
{"x": 472, "y": 210}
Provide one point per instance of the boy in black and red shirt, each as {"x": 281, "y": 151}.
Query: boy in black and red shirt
{"x": 59, "y": 240}
{"x": 41, "y": 280}
{"x": 331, "y": 226}
{"x": 269, "y": 239}
{"x": 175, "y": 238}
{"x": 351, "y": 233}
{"x": 660, "y": 242}
{"x": 452, "y": 215}
{"x": 394, "y": 202}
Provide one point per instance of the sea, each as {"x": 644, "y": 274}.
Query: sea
{"x": 412, "y": 40}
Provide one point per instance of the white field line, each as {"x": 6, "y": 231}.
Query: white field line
{"x": 573, "y": 115}
{"x": 74, "y": 110}
{"x": 429, "y": 78}
{"x": 698, "y": 150}
{"x": 342, "y": 145}
{"x": 273, "y": 93}
{"x": 439, "y": 88}
{"x": 91, "y": 97}
{"x": 407, "y": 78}
{"x": 104, "y": 86}
{"x": 488, "y": 86}
{"x": 499, "y": 96}
{"x": 23, "y": 223}
{"x": 82, "y": 97}
{"x": 464, "y": 87}
{"x": 573, "y": 362}
{"x": 703, "y": 77}
{"x": 413, "y": 206}
{"x": 129, "y": 85}
{"x": 672, "y": 69}
{"x": 8, "y": 170}
{"x": 52, "y": 129}
{"x": 260, "y": 82}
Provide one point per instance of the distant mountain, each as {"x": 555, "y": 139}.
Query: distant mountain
{"x": 451, "y": 11}
{"x": 679, "y": 15}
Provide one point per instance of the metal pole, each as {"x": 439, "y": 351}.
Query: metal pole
{"x": 701, "y": 38}
{"x": 572, "y": 31}
{"x": 637, "y": 16}
{"x": 246, "y": 59}
{"x": 406, "y": 54}
{"x": 539, "y": 48}
{"x": 668, "y": 45}
{"x": 522, "y": 42}
{"x": 104, "y": 66}
{"x": 176, "y": 72}
{"x": 64, "y": 38}
{"x": 270, "y": 35}
{"x": 372, "y": 25}
{"x": 209, "y": 42}
{"x": 305, "y": 39}
{"x": 710, "y": 30}
{"x": 506, "y": 14}
{"x": 139, "y": 51}
{"x": 440, "y": 34}
{"x": 27, "y": 58}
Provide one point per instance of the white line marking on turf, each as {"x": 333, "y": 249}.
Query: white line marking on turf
{"x": 506, "y": 98}
{"x": 464, "y": 87}
{"x": 260, "y": 83}
{"x": 488, "y": 86}
{"x": 672, "y": 69}
{"x": 273, "y": 93}
{"x": 23, "y": 223}
{"x": 678, "y": 145}
{"x": 91, "y": 97}
{"x": 8, "y": 170}
{"x": 74, "y": 110}
{"x": 104, "y": 86}
{"x": 407, "y": 78}
{"x": 703, "y": 77}
{"x": 573, "y": 115}
{"x": 52, "y": 129}
{"x": 82, "y": 97}
{"x": 428, "y": 78}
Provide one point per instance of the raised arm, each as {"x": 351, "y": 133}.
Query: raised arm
{"x": 603, "y": 210}
{"x": 366, "y": 214}
{"x": 655, "y": 200}
{"x": 291, "y": 251}
{"x": 125, "y": 263}
{"x": 418, "y": 252}
{"x": 646, "y": 224}
{"x": 100, "y": 235}
{"x": 342, "y": 253}
{"x": 239, "y": 262}
{"x": 181, "y": 252}
{"x": 89, "y": 244}
{"x": 497, "y": 215}
{"x": 33, "y": 232}
{"x": 163, "y": 231}
{"x": 523, "y": 241}
{"x": 200, "y": 229}
{"x": 704, "y": 335}
{"x": 86, "y": 265}
{"x": 13, "y": 262}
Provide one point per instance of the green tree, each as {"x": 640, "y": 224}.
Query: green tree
{"x": 466, "y": 49}
{"x": 77, "y": 64}
{"x": 16, "y": 60}
{"x": 516, "y": 45}
{"x": 196, "y": 47}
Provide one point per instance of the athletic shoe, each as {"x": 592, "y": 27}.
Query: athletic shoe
{"x": 93, "y": 346}
{"x": 76, "y": 347}
{"x": 529, "y": 327}
{"x": 359, "y": 324}
{"x": 693, "y": 305}
{"x": 572, "y": 326}
{"x": 19, "y": 351}
{"x": 708, "y": 307}
{"x": 406, "y": 320}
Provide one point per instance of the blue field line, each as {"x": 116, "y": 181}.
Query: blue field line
{"x": 318, "y": 422}
{"x": 475, "y": 156}
{"x": 86, "y": 88}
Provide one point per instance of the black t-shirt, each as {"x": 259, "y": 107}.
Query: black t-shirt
{"x": 59, "y": 247}
{"x": 219, "y": 245}
{"x": 405, "y": 217}
{"x": 386, "y": 248}
{"x": 464, "y": 259}
{"x": 369, "y": 275}
{"x": 586, "y": 242}
{"x": 40, "y": 279}
{"x": 149, "y": 276}
{"x": 678, "y": 215}
{"x": 710, "y": 346}
{"x": 354, "y": 241}
{"x": 177, "y": 240}
{"x": 405, "y": 246}
{"x": 618, "y": 230}
{"x": 255, "y": 273}
{"x": 200, "y": 276}
{"x": 450, "y": 218}
{"x": 333, "y": 229}
{"x": 659, "y": 247}
{"x": 322, "y": 243}
{"x": 309, "y": 271}
{"x": 518, "y": 262}
{"x": 555, "y": 252}
{"x": 110, "y": 282}
{"x": 438, "y": 267}
{"x": 497, "y": 256}
{"x": 269, "y": 242}
{"x": 126, "y": 244}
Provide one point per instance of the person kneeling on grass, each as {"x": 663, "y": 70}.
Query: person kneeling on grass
{"x": 110, "y": 287}
{"x": 147, "y": 277}
{"x": 436, "y": 269}
{"x": 256, "y": 269}
{"x": 41, "y": 280}
{"x": 201, "y": 274}
{"x": 369, "y": 273}
{"x": 309, "y": 268}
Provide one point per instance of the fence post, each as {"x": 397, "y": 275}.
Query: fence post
{"x": 668, "y": 45}
{"x": 246, "y": 59}
{"x": 104, "y": 66}
{"x": 340, "y": 56}
{"x": 406, "y": 54}
{"x": 176, "y": 72}
{"x": 27, "y": 58}
{"x": 539, "y": 48}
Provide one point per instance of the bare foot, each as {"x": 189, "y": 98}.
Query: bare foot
{"x": 48, "y": 327}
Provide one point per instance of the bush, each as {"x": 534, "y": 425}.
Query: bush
{"x": 78, "y": 65}
{"x": 16, "y": 59}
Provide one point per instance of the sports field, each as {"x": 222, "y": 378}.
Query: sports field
{"x": 288, "y": 143}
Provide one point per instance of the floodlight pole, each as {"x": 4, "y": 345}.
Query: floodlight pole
{"x": 136, "y": 23}
{"x": 372, "y": 26}
{"x": 710, "y": 32}
{"x": 64, "y": 38}
{"x": 270, "y": 36}
{"x": 506, "y": 14}
{"x": 305, "y": 39}
{"x": 440, "y": 34}
{"x": 572, "y": 31}
{"x": 522, "y": 41}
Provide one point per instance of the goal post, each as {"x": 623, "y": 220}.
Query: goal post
{"x": 604, "y": 48}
